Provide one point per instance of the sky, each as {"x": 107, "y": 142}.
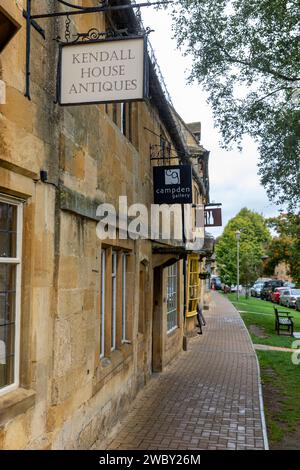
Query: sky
{"x": 233, "y": 175}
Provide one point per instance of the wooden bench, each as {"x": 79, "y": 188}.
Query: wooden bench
{"x": 283, "y": 321}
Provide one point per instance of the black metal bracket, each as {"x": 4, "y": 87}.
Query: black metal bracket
{"x": 72, "y": 10}
{"x": 158, "y": 153}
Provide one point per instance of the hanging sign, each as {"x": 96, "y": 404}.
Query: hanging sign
{"x": 103, "y": 71}
{"x": 173, "y": 184}
{"x": 213, "y": 217}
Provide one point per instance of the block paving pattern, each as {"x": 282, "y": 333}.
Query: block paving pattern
{"x": 206, "y": 399}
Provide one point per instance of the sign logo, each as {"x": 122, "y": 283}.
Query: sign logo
{"x": 103, "y": 71}
{"x": 172, "y": 177}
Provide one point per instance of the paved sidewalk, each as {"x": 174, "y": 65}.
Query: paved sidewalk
{"x": 209, "y": 398}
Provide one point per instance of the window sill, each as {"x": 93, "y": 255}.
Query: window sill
{"x": 173, "y": 331}
{"x": 15, "y": 403}
{"x": 108, "y": 367}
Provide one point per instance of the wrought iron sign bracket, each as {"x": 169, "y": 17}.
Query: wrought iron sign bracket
{"x": 156, "y": 150}
{"x": 104, "y": 7}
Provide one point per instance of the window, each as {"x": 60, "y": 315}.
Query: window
{"x": 142, "y": 299}
{"x": 114, "y": 326}
{"x": 113, "y": 300}
{"x": 8, "y": 28}
{"x": 124, "y": 287}
{"x": 10, "y": 279}
{"x": 129, "y": 134}
{"x": 102, "y": 321}
{"x": 115, "y": 113}
{"x": 172, "y": 298}
{"x": 193, "y": 285}
{"x": 126, "y": 120}
{"x": 123, "y": 118}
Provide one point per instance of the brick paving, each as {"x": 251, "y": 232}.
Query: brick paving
{"x": 208, "y": 398}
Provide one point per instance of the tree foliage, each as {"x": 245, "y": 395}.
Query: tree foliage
{"x": 254, "y": 238}
{"x": 285, "y": 246}
{"x": 246, "y": 54}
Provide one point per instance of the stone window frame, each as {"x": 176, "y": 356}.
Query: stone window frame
{"x": 16, "y": 261}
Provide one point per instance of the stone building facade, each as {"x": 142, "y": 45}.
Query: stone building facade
{"x": 83, "y": 322}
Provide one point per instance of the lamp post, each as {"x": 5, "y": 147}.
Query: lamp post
{"x": 238, "y": 236}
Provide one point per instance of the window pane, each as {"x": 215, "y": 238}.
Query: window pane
{"x": 172, "y": 298}
{"x": 7, "y": 293}
{"x": 113, "y": 301}
{"x": 124, "y": 268}
{"x": 8, "y": 230}
{"x": 102, "y": 326}
{"x": 7, "y": 323}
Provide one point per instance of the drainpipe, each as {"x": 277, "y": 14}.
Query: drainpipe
{"x": 185, "y": 346}
{"x": 184, "y": 263}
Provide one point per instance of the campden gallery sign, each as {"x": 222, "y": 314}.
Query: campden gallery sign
{"x": 103, "y": 71}
{"x": 173, "y": 184}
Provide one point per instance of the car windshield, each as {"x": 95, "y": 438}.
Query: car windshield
{"x": 295, "y": 292}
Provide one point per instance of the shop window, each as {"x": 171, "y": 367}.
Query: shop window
{"x": 172, "y": 298}
{"x": 193, "y": 285}
{"x": 10, "y": 278}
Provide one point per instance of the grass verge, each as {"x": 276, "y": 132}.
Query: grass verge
{"x": 280, "y": 377}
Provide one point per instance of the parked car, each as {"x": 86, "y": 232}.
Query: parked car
{"x": 292, "y": 285}
{"x": 297, "y": 306}
{"x": 275, "y": 296}
{"x": 233, "y": 288}
{"x": 261, "y": 280}
{"x": 289, "y": 297}
{"x": 268, "y": 287}
{"x": 216, "y": 283}
{"x": 256, "y": 289}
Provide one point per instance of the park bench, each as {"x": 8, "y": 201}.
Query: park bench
{"x": 283, "y": 322}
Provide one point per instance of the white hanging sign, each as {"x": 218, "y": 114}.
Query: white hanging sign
{"x": 105, "y": 71}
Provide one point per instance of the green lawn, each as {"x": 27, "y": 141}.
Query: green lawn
{"x": 261, "y": 314}
{"x": 281, "y": 388}
{"x": 280, "y": 377}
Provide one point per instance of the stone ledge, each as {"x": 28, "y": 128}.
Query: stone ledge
{"x": 15, "y": 403}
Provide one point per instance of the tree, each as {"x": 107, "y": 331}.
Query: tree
{"x": 254, "y": 239}
{"x": 246, "y": 54}
{"x": 285, "y": 246}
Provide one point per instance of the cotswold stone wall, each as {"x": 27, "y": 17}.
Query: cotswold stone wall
{"x": 67, "y": 397}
